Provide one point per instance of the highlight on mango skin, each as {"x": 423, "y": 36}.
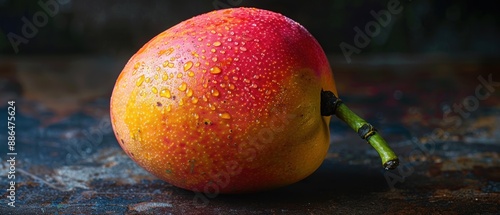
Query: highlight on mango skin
{"x": 233, "y": 93}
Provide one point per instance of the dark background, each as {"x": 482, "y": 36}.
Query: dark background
{"x": 454, "y": 28}
{"x": 407, "y": 81}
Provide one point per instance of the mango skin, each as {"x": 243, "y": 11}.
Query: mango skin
{"x": 225, "y": 102}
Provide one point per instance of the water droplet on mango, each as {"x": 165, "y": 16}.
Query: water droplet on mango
{"x": 215, "y": 92}
{"x": 215, "y": 70}
{"x": 212, "y": 107}
{"x": 183, "y": 86}
{"x": 189, "y": 92}
{"x": 136, "y": 65}
{"x": 139, "y": 81}
{"x": 188, "y": 66}
{"x": 225, "y": 115}
{"x": 165, "y": 93}
{"x": 169, "y": 51}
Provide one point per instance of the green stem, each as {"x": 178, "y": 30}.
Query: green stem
{"x": 331, "y": 105}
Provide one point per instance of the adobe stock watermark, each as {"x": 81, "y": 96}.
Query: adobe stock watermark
{"x": 30, "y": 28}
{"x": 248, "y": 150}
{"x": 452, "y": 119}
{"x": 80, "y": 148}
{"x": 372, "y": 29}
{"x": 470, "y": 103}
{"x": 220, "y": 4}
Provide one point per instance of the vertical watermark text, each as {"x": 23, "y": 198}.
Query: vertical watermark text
{"x": 11, "y": 153}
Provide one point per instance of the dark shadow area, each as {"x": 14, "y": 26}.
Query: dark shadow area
{"x": 331, "y": 181}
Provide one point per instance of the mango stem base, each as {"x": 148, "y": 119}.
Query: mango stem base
{"x": 331, "y": 105}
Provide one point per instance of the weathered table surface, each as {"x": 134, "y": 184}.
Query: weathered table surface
{"x": 68, "y": 161}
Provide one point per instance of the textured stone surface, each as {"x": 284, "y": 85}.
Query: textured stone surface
{"x": 70, "y": 163}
